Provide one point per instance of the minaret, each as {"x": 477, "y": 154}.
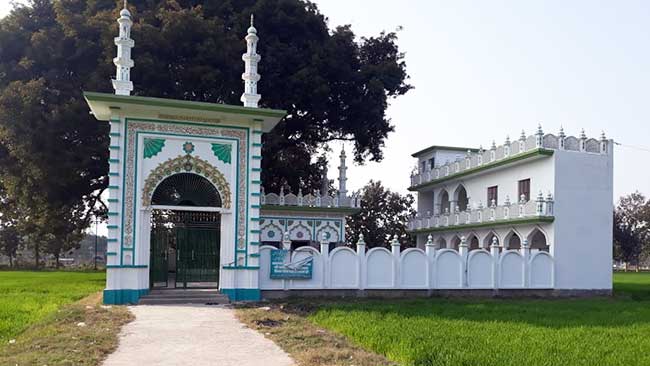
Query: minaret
{"x": 250, "y": 98}
{"x": 123, "y": 62}
{"x": 342, "y": 178}
{"x": 324, "y": 185}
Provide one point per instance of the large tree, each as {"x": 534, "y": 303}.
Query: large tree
{"x": 383, "y": 215}
{"x": 9, "y": 242}
{"x": 53, "y": 154}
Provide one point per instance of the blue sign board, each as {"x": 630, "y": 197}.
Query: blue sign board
{"x": 283, "y": 269}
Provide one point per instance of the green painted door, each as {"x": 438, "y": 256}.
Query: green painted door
{"x": 185, "y": 249}
{"x": 159, "y": 256}
{"x": 197, "y": 255}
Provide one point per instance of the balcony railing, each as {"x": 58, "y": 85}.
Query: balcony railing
{"x": 522, "y": 209}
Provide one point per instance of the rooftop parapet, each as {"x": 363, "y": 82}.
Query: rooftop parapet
{"x": 539, "y": 142}
{"x": 310, "y": 200}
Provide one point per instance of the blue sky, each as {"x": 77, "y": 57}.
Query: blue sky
{"x": 486, "y": 69}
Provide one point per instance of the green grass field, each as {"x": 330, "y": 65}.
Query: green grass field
{"x": 603, "y": 331}
{"x": 27, "y": 297}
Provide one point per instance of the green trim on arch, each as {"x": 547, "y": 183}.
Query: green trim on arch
{"x": 111, "y": 253}
{"x": 113, "y": 187}
{"x": 254, "y": 255}
{"x": 113, "y": 174}
{"x": 113, "y": 214}
{"x": 114, "y": 134}
{"x": 151, "y": 147}
{"x": 257, "y": 144}
{"x": 256, "y": 194}
{"x": 222, "y": 152}
{"x": 111, "y": 240}
{"x": 111, "y": 200}
{"x": 112, "y": 147}
{"x": 112, "y": 227}
{"x": 113, "y": 160}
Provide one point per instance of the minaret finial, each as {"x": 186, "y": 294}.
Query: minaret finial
{"x": 123, "y": 62}
{"x": 252, "y": 18}
{"x": 250, "y": 97}
{"x": 343, "y": 191}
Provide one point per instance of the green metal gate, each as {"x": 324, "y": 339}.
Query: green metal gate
{"x": 185, "y": 249}
{"x": 159, "y": 256}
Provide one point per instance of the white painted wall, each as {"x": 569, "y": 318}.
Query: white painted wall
{"x": 414, "y": 268}
{"x": 583, "y": 224}
{"x": 540, "y": 172}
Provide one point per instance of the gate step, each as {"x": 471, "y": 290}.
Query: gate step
{"x": 179, "y": 296}
{"x": 182, "y": 292}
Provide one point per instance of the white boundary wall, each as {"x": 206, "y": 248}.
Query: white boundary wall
{"x": 413, "y": 268}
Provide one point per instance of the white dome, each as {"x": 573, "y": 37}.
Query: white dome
{"x": 125, "y": 13}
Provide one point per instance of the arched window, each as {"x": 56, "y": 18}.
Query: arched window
{"x": 473, "y": 242}
{"x": 455, "y": 242}
{"x": 442, "y": 244}
{"x": 444, "y": 202}
{"x": 512, "y": 241}
{"x": 537, "y": 240}
{"x": 487, "y": 242}
{"x": 186, "y": 189}
{"x": 460, "y": 195}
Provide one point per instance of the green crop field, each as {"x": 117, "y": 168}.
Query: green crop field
{"x": 597, "y": 331}
{"x": 27, "y": 297}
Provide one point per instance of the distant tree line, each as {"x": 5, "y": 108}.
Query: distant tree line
{"x": 632, "y": 230}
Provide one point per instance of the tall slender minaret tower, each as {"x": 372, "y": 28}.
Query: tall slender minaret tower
{"x": 123, "y": 62}
{"x": 250, "y": 98}
{"x": 342, "y": 177}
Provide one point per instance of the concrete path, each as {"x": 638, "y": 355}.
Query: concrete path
{"x": 192, "y": 335}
